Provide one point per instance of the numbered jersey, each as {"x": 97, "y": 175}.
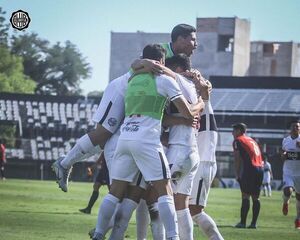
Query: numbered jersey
{"x": 249, "y": 151}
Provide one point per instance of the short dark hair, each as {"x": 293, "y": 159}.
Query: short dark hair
{"x": 292, "y": 122}
{"x": 240, "y": 126}
{"x": 183, "y": 30}
{"x": 154, "y": 52}
{"x": 179, "y": 60}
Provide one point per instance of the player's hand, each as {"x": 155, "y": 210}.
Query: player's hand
{"x": 152, "y": 66}
{"x": 283, "y": 156}
{"x": 191, "y": 122}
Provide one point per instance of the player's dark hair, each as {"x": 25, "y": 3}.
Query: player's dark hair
{"x": 292, "y": 122}
{"x": 183, "y": 30}
{"x": 154, "y": 52}
{"x": 240, "y": 126}
{"x": 179, "y": 60}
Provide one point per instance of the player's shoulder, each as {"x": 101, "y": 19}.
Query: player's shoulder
{"x": 287, "y": 138}
{"x": 164, "y": 76}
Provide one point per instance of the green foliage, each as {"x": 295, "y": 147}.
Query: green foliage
{"x": 3, "y": 29}
{"x": 58, "y": 69}
{"x": 12, "y": 78}
{"x": 54, "y": 215}
{"x": 8, "y": 133}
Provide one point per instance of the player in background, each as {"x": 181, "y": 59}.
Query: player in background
{"x": 268, "y": 176}
{"x": 249, "y": 172}
{"x": 291, "y": 169}
{"x": 2, "y": 159}
{"x": 102, "y": 178}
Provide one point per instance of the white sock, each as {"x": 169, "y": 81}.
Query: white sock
{"x": 298, "y": 208}
{"x": 157, "y": 227}
{"x": 265, "y": 190}
{"x": 208, "y": 226}
{"x": 269, "y": 190}
{"x": 83, "y": 148}
{"x": 106, "y": 211}
{"x": 168, "y": 215}
{"x": 142, "y": 220}
{"x": 112, "y": 220}
{"x": 122, "y": 218}
{"x": 185, "y": 224}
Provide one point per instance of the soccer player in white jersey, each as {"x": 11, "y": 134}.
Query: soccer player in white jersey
{"x": 182, "y": 152}
{"x": 268, "y": 176}
{"x": 207, "y": 141}
{"x": 291, "y": 169}
{"x": 108, "y": 117}
{"x": 139, "y": 147}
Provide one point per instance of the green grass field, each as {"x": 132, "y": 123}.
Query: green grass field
{"x": 37, "y": 210}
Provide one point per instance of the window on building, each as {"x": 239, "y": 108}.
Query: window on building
{"x": 270, "y": 49}
{"x": 225, "y": 43}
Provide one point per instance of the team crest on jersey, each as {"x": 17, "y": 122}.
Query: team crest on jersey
{"x": 112, "y": 122}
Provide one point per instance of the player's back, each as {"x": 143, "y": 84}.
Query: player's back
{"x": 249, "y": 151}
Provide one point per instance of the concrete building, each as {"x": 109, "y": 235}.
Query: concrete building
{"x": 275, "y": 59}
{"x": 224, "y": 49}
{"x": 126, "y": 47}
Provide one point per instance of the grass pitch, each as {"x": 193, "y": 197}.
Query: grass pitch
{"x": 38, "y": 210}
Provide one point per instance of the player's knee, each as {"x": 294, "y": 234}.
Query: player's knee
{"x": 195, "y": 209}
{"x": 96, "y": 186}
{"x": 287, "y": 191}
{"x": 118, "y": 189}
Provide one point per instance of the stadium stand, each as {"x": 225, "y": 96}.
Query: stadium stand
{"x": 46, "y": 126}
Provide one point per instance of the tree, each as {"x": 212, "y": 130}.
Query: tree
{"x": 58, "y": 70}
{"x": 3, "y": 29}
{"x": 12, "y": 78}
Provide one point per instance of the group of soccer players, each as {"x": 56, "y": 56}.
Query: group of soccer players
{"x": 150, "y": 105}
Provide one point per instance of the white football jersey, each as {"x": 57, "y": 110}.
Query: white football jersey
{"x": 207, "y": 136}
{"x": 291, "y": 165}
{"x": 181, "y": 134}
{"x": 145, "y": 128}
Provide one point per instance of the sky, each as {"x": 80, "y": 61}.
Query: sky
{"x": 89, "y": 23}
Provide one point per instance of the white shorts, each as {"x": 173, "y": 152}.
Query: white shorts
{"x": 291, "y": 174}
{"x": 133, "y": 157}
{"x": 267, "y": 178}
{"x": 202, "y": 182}
{"x": 291, "y": 181}
{"x": 110, "y": 112}
{"x": 109, "y": 152}
{"x": 184, "y": 160}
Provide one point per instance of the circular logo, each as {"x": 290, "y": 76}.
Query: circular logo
{"x": 20, "y": 20}
{"x": 112, "y": 122}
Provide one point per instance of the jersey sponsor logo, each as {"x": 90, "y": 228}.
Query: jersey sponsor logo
{"x": 293, "y": 155}
{"x": 112, "y": 122}
{"x": 131, "y": 127}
